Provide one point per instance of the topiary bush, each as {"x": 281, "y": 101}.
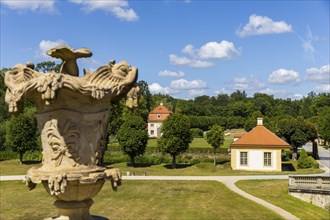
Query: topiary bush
{"x": 304, "y": 160}
{"x": 315, "y": 164}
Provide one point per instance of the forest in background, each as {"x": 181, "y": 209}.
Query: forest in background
{"x": 300, "y": 120}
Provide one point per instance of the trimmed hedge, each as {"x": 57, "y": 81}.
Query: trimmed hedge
{"x": 155, "y": 150}
{"x": 305, "y": 161}
{"x": 27, "y": 156}
{"x": 158, "y": 158}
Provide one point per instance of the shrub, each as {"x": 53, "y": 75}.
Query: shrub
{"x": 33, "y": 156}
{"x": 196, "y": 132}
{"x": 117, "y": 157}
{"x": 304, "y": 160}
{"x": 314, "y": 163}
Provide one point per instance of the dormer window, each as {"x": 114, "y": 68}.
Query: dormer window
{"x": 158, "y": 116}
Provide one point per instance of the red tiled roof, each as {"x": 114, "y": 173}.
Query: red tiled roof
{"x": 157, "y": 117}
{"x": 159, "y": 114}
{"x": 161, "y": 110}
{"x": 262, "y": 137}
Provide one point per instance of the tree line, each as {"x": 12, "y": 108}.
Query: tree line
{"x": 297, "y": 121}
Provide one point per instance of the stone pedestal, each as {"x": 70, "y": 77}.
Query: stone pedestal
{"x": 74, "y": 210}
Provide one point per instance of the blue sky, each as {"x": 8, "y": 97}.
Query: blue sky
{"x": 183, "y": 48}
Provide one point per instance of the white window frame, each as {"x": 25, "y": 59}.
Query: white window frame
{"x": 267, "y": 159}
{"x": 243, "y": 158}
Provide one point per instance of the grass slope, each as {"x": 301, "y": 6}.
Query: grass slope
{"x": 276, "y": 192}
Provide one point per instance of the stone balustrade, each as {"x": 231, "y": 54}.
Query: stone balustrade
{"x": 312, "y": 189}
{"x": 318, "y": 183}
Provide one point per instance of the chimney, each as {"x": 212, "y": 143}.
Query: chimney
{"x": 259, "y": 121}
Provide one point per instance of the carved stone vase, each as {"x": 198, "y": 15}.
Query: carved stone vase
{"x": 72, "y": 115}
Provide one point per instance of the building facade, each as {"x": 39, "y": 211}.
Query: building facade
{"x": 155, "y": 120}
{"x": 258, "y": 150}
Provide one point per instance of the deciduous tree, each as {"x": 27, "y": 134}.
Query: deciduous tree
{"x": 323, "y": 124}
{"x": 133, "y": 137}
{"x": 176, "y": 136}
{"x": 21, "y": 134}
{"x": 48, "y": 66}
{"x": 295, "y": 131}
{"x": 4, "y": 115}
{"x": 215, "y": 137}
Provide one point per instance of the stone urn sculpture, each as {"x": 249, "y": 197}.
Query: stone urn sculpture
{"x": 72, "y": 114}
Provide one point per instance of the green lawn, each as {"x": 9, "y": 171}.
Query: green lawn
{"x": 140, "y": 200}
{"x": 234, "y": 131}
{"x": 276, "y": 192}
{"x": 12, "y": 167}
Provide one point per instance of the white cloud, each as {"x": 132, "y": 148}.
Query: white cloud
{"x": 189, "y": 49}
{"x": 195, "y": 93}
{"x": 176, "y": 60}
{"x": 321, "y": 74}
{"x": 283, "y": 76}
{"x": 119, "y": 8}
{"x": 259, "y": 25}
{"x": 221, "y": 91}
{"x": 297, "y": 96}
{"x": 244, "y": 83}
{"x": 182, "y": 84}
{"x": 221, "y": 50}
{"x": 171, "y": 74}
{"x": 36, "y": 5}
{"x": 200, "y": 64}
{"x": 45, "y": 45}
{"x": 199, "y": 58}
{"x": 155, "y": 88}
{"x": 277, "y": 93}
{"x": 281, "y": 94}
{"x": 323, "y": 88}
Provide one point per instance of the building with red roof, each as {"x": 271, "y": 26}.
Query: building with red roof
{"x": 155, "y": 120}
{"x": 259, "y": 149}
